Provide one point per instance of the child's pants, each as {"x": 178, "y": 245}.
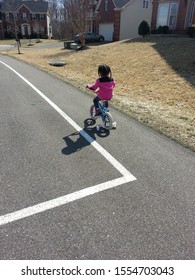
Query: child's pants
{"x": 96, "y": 100}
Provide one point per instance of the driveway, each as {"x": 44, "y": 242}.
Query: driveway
{"x": 70, "y": 192}
{"x": 6, "y": 47}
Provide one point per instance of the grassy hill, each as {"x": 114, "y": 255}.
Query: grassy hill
{"x": 155, "y": 78}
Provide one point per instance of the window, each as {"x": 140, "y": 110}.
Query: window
{"x": 167, "y": 14}
{"x": 33, "y": 16}
{"x": 9, "y": 28}
{"x": 41, "y": 17}
{"x": 42, "y": 30}
{"x": 145, "y": 4}
{"x": 106, "y": 5}
{"x": 24, "y": 15}
{"x": 163, "y": 11}
{"x": 192, "y": 15}
{"x": 11, "y": 16}
{"x": 173, "y": 14}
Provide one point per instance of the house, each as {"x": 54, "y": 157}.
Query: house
{"x": 30, "y": 18}
{"x": 1, "y": 22}
{"x": 178, "y": 15}
{"x": 120, "y": 19}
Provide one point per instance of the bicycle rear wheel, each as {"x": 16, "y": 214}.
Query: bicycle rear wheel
{"x": 107, "y": 121}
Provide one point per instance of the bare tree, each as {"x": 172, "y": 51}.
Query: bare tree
{"x": 60, "y": 27}
{"x": 76, "y": 14}
{"x": 70, "y": 17}
{"x": 12, "y": 20}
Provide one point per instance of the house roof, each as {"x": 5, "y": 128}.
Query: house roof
{"x": 120, "y": 3}
{"x": 33, "y": 6}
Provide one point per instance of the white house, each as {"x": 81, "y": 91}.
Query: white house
{"x": 120, "y": 19}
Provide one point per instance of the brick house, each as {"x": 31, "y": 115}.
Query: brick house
{"x": 1, "y": 21}
{"x": 120, "y": 19}
{"x": 29, "y": 17}
{"x": 178, "y": 15}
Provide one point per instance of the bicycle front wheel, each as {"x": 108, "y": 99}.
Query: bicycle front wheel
{"x": 107, "y": 121}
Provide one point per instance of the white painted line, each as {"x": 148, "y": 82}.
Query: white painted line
{"x": 127, "y": 176}
{"x": 53, "y": 203}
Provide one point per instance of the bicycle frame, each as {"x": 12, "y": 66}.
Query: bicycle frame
{"x": 103, "y": 108}
{"x": 104, "y": 114}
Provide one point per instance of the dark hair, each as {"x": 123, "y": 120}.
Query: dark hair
{"x": 104, "y": 70}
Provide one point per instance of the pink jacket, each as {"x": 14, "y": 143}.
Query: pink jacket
{"x": 104, "y": 87}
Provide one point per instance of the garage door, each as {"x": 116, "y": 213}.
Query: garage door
{"x": 106, "y": 29}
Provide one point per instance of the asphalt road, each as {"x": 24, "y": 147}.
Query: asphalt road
{"x": 67, "y": 195}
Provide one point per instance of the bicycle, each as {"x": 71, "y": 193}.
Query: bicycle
{"x": 104, "y": 114}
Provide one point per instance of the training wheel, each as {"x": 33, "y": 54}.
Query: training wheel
{"x": 114, "y": 125}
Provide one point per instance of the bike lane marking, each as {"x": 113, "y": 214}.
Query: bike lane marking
{"x": 41, "y": 207}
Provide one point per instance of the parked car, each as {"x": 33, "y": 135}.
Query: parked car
{"x": 89, "y": 37}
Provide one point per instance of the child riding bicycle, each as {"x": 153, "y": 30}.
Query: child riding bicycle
{"x": 103, "y": 86}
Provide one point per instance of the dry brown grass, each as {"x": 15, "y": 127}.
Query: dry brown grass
{"x": 155, "y": 79}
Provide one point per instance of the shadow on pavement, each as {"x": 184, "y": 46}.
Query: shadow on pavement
{"x": 75, "y": 141}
